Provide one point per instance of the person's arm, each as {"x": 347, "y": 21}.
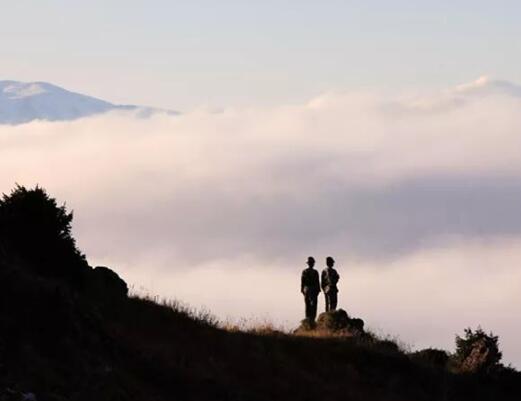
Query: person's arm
{"x": 302, "y": 282}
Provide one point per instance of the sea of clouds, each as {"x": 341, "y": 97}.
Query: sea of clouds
{"x": 416, "y": 195}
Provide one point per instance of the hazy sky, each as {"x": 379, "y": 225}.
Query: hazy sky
{"x": 184, "y": 54}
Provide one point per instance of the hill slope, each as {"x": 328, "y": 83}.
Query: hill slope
{"x": 70, "y": 332}
{"x": 22, "y": 102}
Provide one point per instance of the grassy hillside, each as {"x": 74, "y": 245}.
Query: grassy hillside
{"x": 70, "y": 332}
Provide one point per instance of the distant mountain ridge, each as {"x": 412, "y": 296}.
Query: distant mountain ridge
{"x": 22, "y": 102}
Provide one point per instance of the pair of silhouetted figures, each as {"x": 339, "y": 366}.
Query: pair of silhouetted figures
{"x": 310, "y": 286}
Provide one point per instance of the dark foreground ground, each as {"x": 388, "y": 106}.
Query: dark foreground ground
{"x": 62, "y": 345}
{"x": 70, "y": 332}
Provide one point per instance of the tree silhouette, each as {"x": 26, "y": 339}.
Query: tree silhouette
{"x": 35, "y": 230}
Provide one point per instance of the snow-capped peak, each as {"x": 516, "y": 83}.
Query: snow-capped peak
{"x": 19, "y": 90}
{"x": 22, "y": 102}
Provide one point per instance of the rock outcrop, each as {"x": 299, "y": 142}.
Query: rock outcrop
{"x": 336, "y": 322}
{"x": 108, "y": 283}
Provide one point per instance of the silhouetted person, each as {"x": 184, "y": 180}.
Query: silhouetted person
{"x": 310, "y": 288}
{"x": 329, "y": 281}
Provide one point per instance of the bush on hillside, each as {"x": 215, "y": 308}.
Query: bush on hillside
{"x": 477, "y": 351}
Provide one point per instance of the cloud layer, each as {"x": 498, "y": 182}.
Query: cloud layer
{"x": 416, "y": 195}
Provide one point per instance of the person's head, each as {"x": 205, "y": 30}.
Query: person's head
{"x": 330, "y": 262}
{"x": 311, "y": 261}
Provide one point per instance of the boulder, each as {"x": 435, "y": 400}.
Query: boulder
{"x": 336, "y": 322}
{"x": 339, "y": 321}
{"x": 108, "y": 284}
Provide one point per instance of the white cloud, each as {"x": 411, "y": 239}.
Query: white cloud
{"x": 399, "y": 189}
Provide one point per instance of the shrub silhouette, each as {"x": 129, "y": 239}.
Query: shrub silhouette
{"x": 35, "y": 230}
{"x": 477, "y": 351}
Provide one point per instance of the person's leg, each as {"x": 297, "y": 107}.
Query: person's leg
{"x": 334, "y": 300}
{"x": 314, "y": 307}
{"x": 326, "y": 298}
{"x": 308, "y": 306}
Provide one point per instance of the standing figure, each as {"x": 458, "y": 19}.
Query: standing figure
{"x": 329, "y": 280}
{"x": 310, "y": 288}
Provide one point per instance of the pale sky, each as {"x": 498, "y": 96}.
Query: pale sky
{"x": 187, "y": 54}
